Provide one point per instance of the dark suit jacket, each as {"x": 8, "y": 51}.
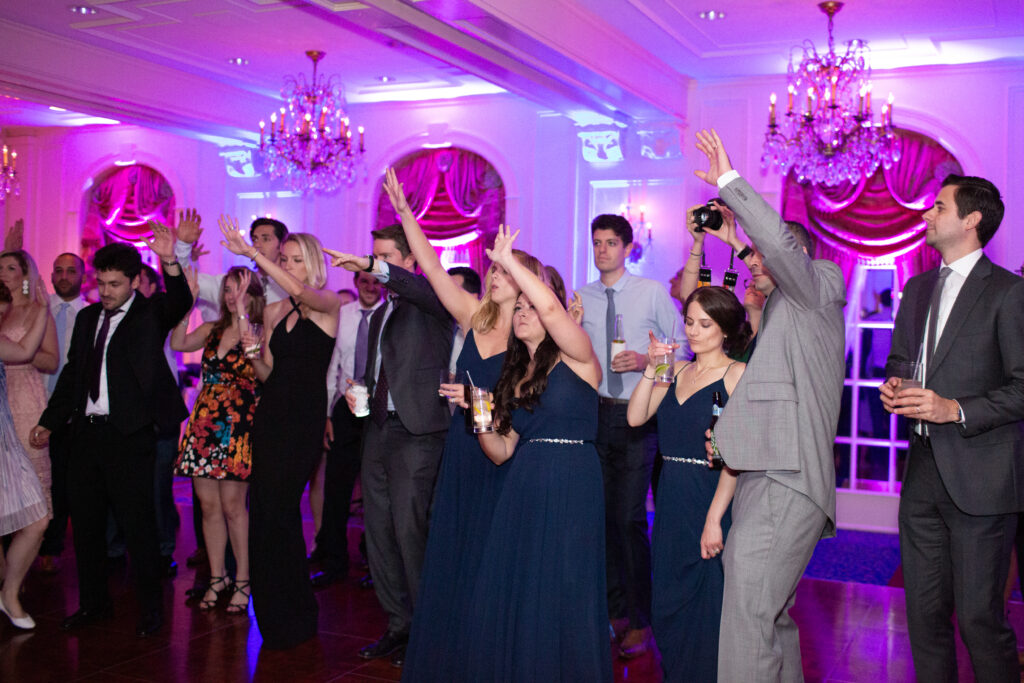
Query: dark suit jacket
{"x": 416, "y": 346}
{"x": 979, "y": 361}
{"x": 143, "y": 392}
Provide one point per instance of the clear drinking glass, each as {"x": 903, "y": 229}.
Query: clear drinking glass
{"x": 481, "y": 405}
{"x": 663, "y": 371}
{"x": 358, "y": 389}
{"x": 909, "y": 374}
{"x": 252, "y": 352}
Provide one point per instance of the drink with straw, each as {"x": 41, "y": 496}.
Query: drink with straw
{"x": 482, "y": 410}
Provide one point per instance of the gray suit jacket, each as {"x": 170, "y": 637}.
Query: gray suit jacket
{"x": 783, "y": 415}
{"x": 979, "y": 361}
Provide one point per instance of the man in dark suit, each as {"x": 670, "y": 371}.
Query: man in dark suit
{"x": 118, "y": 394}
{"x": 964, "y": 480}
{"x": 410, "y": 341}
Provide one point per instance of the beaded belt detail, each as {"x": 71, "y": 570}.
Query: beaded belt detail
{"x": 578, "y": 442}
{"x": 688, "y": 461}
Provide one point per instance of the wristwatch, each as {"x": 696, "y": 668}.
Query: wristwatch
{"x": 745, "y": 252}
{"x": 369, "y": 268}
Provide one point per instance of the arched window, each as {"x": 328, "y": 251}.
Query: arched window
{"x": 457, "y": 197}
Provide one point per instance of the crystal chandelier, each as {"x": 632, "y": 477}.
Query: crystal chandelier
{"x": 9, "y": 175}
{"x": 832, "y": 137}
{"x": 309, "y": 142}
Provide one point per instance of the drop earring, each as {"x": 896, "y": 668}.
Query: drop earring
{"x": 24, "y": 286}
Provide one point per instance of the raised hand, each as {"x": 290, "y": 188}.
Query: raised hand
{"x": 691, "y": 226}
{"x": 233, "y": 240}
{"x": 501, "y": 252}
{"x": 351, "y": 262}
{"x": 162, "y": 242}
{"x": 198, "y": 251}
{"x": 396, "y": 193}
{"x": 192, "y": 278}
{"x": 14, "y": 239}
{"x": 718, "y": 161}
{"x": 657, "y": 350}
{"x": 576, "y": 308}
{"x": 242, "y": 298}
{"x": 188, "y": 226}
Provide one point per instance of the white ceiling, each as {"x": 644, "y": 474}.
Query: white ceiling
{"x": 165, "y": 62}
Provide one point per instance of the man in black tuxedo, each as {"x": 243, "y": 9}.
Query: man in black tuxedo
{"x": 964, "y": 480}
{"x": 118, "y": 394}
{"x": 410, "y": 342}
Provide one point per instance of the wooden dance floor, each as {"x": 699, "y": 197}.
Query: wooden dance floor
{"x": 848, "y": 632}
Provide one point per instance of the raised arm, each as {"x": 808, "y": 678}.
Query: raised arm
{"x": 457, "y": 301}
{"x": 570, "y": 337}
{"x": 791, "y": 267}
{"x": 321, "y": 300}
{"x": 647, "y": 395}
{"x": 412, "y": 288}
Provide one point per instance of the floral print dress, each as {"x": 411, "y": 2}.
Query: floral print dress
{"x": 218, "y": 439}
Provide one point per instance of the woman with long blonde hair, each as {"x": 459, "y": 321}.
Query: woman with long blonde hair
{"x": 288, "y": 431}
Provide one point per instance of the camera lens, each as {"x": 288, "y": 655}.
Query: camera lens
{"x": 706, "y": 218}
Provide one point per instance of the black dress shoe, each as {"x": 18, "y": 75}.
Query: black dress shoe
{"x": 84, "y": 617}
{"x": 324, "y": 579}
{"x": 398, "y": 659}
{"x": 170, "y": 566}
{"x": 366, "y": 582}
{"x": 149, "y": 623}
{"x": 388, "y": 644}
{"x": 316, "y": 556}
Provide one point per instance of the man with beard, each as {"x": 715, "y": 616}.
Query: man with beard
{"x": 65, "y": 303}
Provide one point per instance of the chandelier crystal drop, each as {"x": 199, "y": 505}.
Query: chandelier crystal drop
{"x": 309, "y": 141}
{"x": 9, "y": 183}
{"x": 827, "y": 134}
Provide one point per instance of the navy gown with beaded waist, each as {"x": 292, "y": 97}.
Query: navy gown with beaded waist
{"x": 467, "y": 489}
{"x": 686, "y": 600}
{"x": 539, "y": 609}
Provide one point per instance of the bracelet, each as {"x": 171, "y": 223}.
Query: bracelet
{"x": 243, "y": 317}
{"x": 745, "y": 252}
{"x": 254, "y": 254}
{"x": 168, "y": 264}
{"x": 693, "y": 253}
{"x": 644, "y": 375}
{"x": 369, "y": 268}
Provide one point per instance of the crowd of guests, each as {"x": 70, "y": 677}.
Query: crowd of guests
{"x": 514, "y": 548}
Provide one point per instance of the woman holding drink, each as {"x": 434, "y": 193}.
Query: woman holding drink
{"x": 288, "y": 430}
{"x": 216, "y": 450}
{"x": 468, "y": 484}
{"x": 692, "y": 518}
{"x": 539, "y": 606}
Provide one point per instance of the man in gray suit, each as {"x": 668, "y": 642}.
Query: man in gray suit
{"x": 964, "y": 480}
{"x": 777, "y": 431}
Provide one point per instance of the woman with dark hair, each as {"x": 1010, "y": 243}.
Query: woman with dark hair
{"x": 468, "y": 484}
{"x": 692, "y": 518}
{"x": 288, "y": 430}
{"x": 216, "y": 450}
{"x": 539, "y": 607}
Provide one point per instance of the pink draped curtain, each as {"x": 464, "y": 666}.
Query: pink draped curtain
{"x": 121, "y": 204}
{"x": 879, "y": 216}
{"x": 452, "y": 192}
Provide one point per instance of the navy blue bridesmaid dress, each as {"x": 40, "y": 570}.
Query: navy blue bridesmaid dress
{"x": 467, "y": 489}
{"x": 540, "y": 611}
{"x": 686, "y": 601}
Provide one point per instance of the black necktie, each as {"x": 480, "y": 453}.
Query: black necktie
{"x": 96, "y": 358}
{"x": 379, "y": 400}
{"x": 933, "y": 312}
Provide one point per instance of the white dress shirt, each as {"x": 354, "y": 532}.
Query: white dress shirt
{"x": 343, "y": 359}
{"x": 101, "y": 406}
{"x": 74, "y": 306}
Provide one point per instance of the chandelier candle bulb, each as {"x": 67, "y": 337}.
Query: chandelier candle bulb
{"x": 5, "y": 155}
{"x": 771, "y": 110}
{"x": 362, "y": 148}
{"x": 14, "y": 160}
{"x": 323, "y": 118}
{"x": 789, "y": 108}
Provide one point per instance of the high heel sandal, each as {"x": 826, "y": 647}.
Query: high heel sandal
{"x": 238, "y": 608}
{"x": 222, "y": 581}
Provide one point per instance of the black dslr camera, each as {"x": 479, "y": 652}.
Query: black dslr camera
{"x": 706, "y": 218}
